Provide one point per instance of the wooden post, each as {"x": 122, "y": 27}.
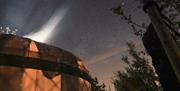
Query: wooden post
{"x": 163, "y": 32}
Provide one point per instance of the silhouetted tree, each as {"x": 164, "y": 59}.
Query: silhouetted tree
{"x": 170, "y": 9}
{"x": 170, "y": 12}
{"x": 139, "y": 75}
{"x": 97, "y": 86}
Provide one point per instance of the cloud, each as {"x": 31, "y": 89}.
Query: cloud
{"x": 107, "y": 54}
{"x": 112, "y": 52}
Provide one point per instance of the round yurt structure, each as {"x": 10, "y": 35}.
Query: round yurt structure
{"x": 27, "y": 65}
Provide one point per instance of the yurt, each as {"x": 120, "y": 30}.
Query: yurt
{"x": 27, "y": 65}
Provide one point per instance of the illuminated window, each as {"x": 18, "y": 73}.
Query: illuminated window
{"x": 33, "y": 47}
{"x": 32, "y": 50}
{"x": 82, "y": 66}
{"x": 34, "y": 80}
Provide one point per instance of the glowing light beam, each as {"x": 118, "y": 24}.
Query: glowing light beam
{"x": 46, "y": 30}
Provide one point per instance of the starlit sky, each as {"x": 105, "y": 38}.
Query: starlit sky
{"x": 87, "y": 28}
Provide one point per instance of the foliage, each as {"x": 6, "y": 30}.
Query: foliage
{"x": 139, "y": 72}
{"x": 97, "y": 86}
{"x": 168, "y": 8}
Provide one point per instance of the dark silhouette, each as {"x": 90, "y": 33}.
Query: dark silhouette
{"x": 160, "y": 60}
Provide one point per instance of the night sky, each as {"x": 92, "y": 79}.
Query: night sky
{"x": 87, "y": 28}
